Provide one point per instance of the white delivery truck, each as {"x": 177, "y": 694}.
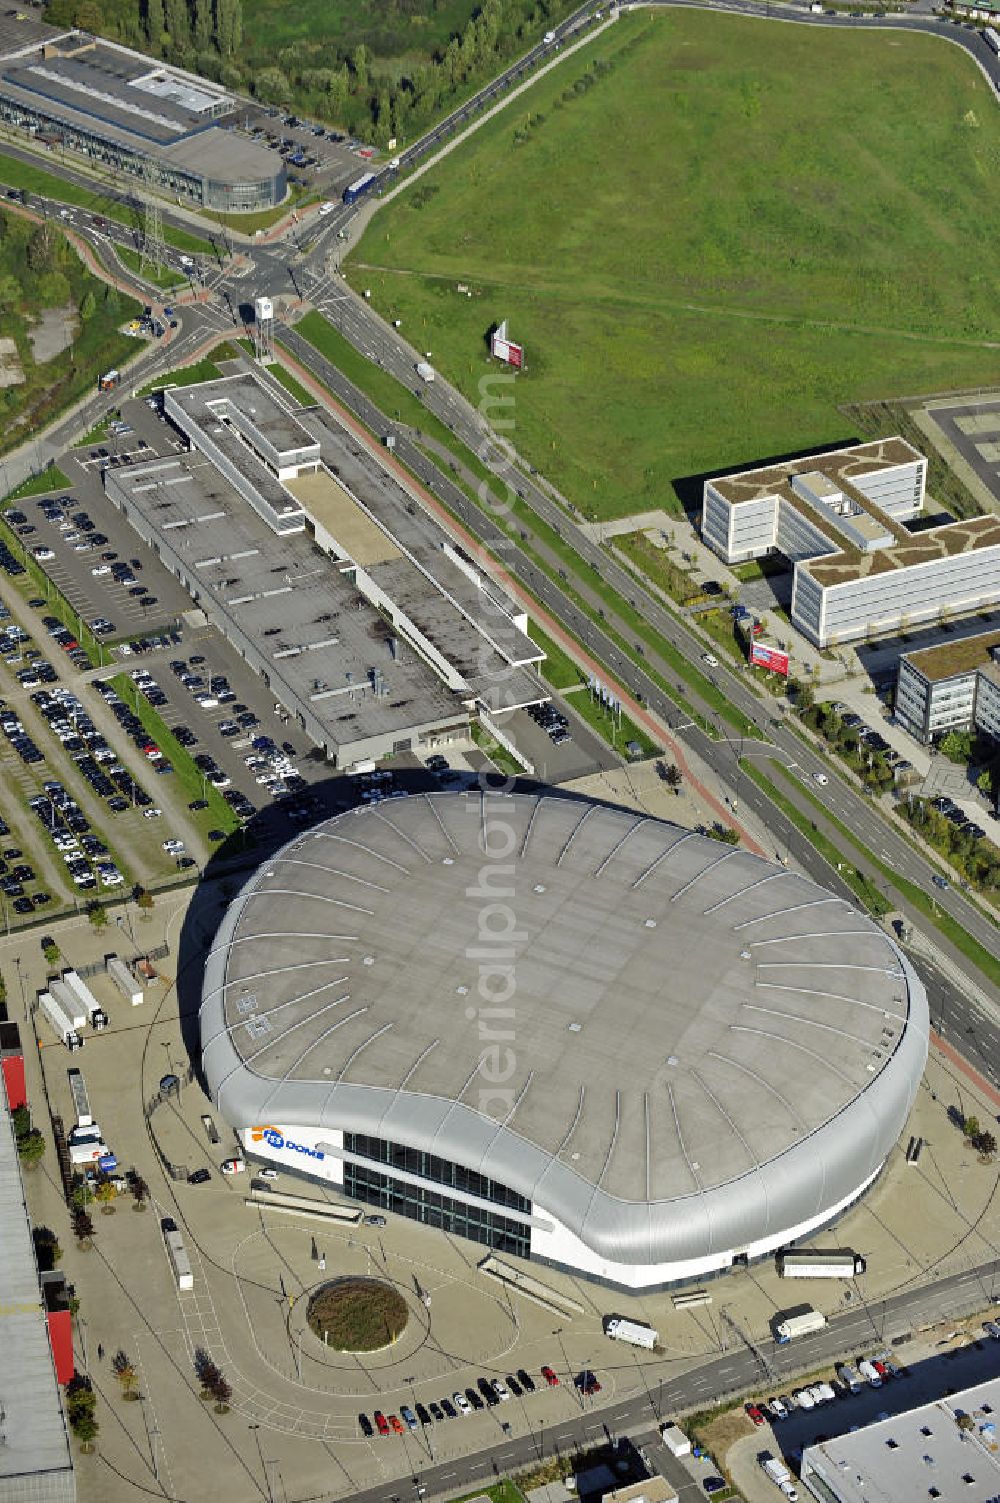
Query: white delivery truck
{"x": 425, "y": 371}
{"x": 96, "y": 1015}
{"x": 779, "y": 1475}
{"x": 635, "y": 1332}
{"x": 86, "y": 1145}
{"x": 798, "y": 1323}
{"x": 809, "y": 1263}
{"x": 60, "y": 1019}
{"x": 675, "y": 1440}
{"x": 123, "y": 978}
{"x": 81, "y": 1101}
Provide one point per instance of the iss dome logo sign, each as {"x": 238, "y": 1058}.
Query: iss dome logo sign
{"x": 274, "y": 1138}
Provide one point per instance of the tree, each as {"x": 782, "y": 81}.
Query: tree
{"x": 985, "y": 1145}
{"x": 144, "y": 902}
{"x": 20, "y": 1120}
{"x": 11, "y": 291}
{"x": 221, "y": 1393}
{"x": 724, "y": 834}
{"x": 272, "y": 86}
{"x": 155, "y": 25}
{"x": 671, "y": 775}
{"x": 98, "y": 915}
{"x": 956, "y": 746}
{"x": 971, "y": 1128}
{"x": 140, "y": 1191}
{"x": 81, "y": 1401}
{"x": 40, "y": 248}
{"x": 83, "y": 1227}
{"x": 204, "y": 28}
{"x": 359, "y": 67}
{"x": 31, "y": 1149}
{"x": 207, "y": 1373}
{"x": 228, "y": 26}
{"x": 47, "y": 1249}
{"x": 106, "y": 1194}
{"x": 123, "y": 1370}
{"x": 51, "y": 953}
{"x": 175, "y": 13}
{"x": 88, "y": 306}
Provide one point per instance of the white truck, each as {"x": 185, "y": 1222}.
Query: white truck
{"x": 60, "y": 1019}
{"x": 675, "y": 1440}
{"x": 95, "y": 1013}
{"x": 849, "y": 1378}
{"x": 810, "y": 1263}
{"x": 123, "y": 978}
{"x": 425, "y": 371}
{"x": 81, "y": 1101}
{"x": 86, "y": 1145}
{"x": 779, "y": 1475}
{"x": 635, "y": 1332}
{"x": 798, "y": 1323}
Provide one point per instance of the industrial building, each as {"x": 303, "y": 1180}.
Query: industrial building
{"x": 35, "y": 1458}
{"x": 840, "y": 519}
{"x": 569, "y": 1032}
{"x": 313, "y": 560}
{"x": 946, "y": 1450}
{"x": 954, "y": 686}
{"x": 127, "y": 113}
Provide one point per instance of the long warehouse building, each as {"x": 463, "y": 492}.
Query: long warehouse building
{"x": 566, "y": 1031}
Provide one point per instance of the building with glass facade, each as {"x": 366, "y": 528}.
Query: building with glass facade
{"x": 129, "y": 114}
{"x": 564, "y": 1031}
{"x": 951, "y": 687}
{"x": 841, "y": 521}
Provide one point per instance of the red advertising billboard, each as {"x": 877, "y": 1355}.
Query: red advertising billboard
{"x": 503, "y": 349}
{"x": 769, "y": 657}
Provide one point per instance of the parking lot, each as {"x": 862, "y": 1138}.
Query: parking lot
{"x": 316, "y": 156}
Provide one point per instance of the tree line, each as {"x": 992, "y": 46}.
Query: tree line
{"x": 318, "y": 76}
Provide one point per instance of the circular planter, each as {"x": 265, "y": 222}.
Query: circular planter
{"x": 357, "y": 1314}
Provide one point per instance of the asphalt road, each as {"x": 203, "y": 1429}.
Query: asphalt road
{"x": 737, "y": 1370}
{"x": 355, "y": 319}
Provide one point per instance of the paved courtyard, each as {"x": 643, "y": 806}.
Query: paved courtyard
{"x": 293, "y": 1424}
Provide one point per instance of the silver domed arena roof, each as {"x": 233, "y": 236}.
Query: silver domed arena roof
{"x": 673, "y": 1046}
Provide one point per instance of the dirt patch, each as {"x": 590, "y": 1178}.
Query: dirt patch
{"x": 11, "y": 372}
{"x": 52, "y": 332}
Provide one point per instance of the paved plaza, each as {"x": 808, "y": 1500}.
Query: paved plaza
{"x": 292, "y": 1429}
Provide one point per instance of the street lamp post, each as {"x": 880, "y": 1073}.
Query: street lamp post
{"x": 263, "y": 1464}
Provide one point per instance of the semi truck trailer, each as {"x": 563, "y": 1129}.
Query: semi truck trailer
{"x": 798, "y": 1323}
{"x": 95, "y": 1013}
{"x": 807, "y": 1263}
{"x": 54, "y": 1012}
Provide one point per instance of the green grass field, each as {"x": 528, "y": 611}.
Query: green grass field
{"x": 707, "y": 232}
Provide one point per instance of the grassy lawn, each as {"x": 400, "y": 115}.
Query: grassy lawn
{"x": 49, "y": 479}
{"x": 497, "y": 1492}
{"x": 167, "y": 279}
{"x": 558, "y": 669}
{"x": 263, "y": 219}
{"x": 657, "y": 565}
{"x": 357, "y": 1315}
{"x": 17, "y": 174}
{"x": 293, "y": 387}
{"x": 617, "y": 730}
{"x": 782, "y": 241}
{"x": 205, "y": 369}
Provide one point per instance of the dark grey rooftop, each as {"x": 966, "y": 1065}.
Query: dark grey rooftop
{"x": 684, "y": 1017}
{"x": 249, "y": 403}
{"x": 319, "y": 638}
{"x": 35, "y": 1439}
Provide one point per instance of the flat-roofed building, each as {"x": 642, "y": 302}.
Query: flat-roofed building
{"x": 35, "y": 1459}
{"x": 953, "y": 686}
{"x": 364, "y": 620}
{"x": 840, "y": 519}
{"x": 130, "y": 113}
{"x": 945, "y": 1450}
